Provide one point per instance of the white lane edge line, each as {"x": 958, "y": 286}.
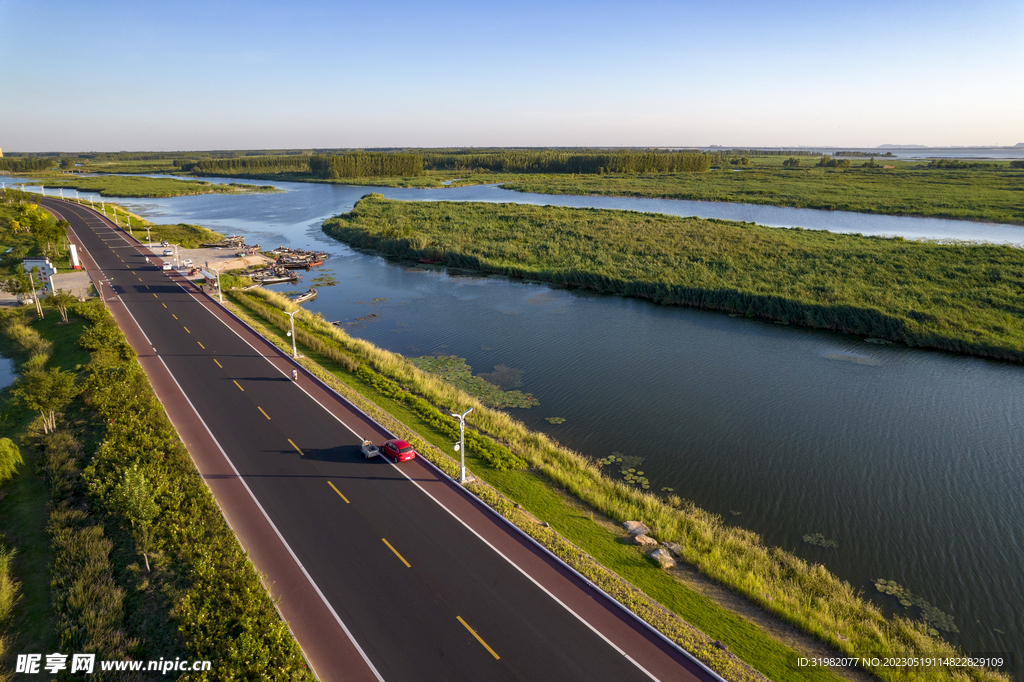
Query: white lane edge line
{"x": 267, "y": 517}
{"x": 195, "y": 296}
{"x": 529, "y": 577}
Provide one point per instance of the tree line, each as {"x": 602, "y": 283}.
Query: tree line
{"x": 27, "y": 164}
{"x": 365, "y": 164}
{"x": 251, "y": 164}
{"x": 552, "y": 161}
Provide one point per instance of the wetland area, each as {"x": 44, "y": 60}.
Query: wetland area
{"x": 880, "y": 462}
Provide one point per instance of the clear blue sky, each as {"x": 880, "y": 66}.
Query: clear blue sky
{"x": 111, "y": 75}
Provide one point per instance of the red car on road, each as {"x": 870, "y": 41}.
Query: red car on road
{"x": 397, "y": 450}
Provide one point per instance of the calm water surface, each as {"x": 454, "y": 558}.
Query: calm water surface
{"x": 910, "y": 460}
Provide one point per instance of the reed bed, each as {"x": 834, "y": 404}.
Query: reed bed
{"x": 806, "y": 595}
{"x": 965, "y": 298}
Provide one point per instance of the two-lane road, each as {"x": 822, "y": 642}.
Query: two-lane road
{"x": 424, "y": 594}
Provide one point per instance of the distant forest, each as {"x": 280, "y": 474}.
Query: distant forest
{"x": 26, "y": 164}
{"x": 249, "y": 164}
{"x": 365, "y": 165}
{"x": 585, "y": 162}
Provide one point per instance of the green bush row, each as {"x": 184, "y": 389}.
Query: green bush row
{"x": 89, "y": 604}
{"x": 224, "y": 614}
{"x": 202, "y": 598}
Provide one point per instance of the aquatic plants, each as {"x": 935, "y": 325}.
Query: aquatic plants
{"x": 455, "y": 371}
{"x": 819, "y": 540}
{"x": 964, "y": 298}
{"x": 935, "y": 618}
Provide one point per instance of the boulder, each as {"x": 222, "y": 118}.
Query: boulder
{"x": 673, "y": 547}
{"x": 636, "y": 528}
{"x": 663, "y": 557}
{"x": 645, "y": 541}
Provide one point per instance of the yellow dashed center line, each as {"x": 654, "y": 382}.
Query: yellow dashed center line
{"x": 296, "y": 447}
{"x": 339, "y": 492}
{"x": 140, "y": 279}
{"x": 264, "y": 413}
{"x": 154, "y": 296}
{"x": 164, "y": 304}
{"x": 473, "y": 632}
{"x": 407, "y": 565}
{"x": 240, "y": 387}
{"x": 174, "y": 316}
{"x": 183, "y": 327}
{"x": 218, "y": 364}
{"x": 201, "y": 345}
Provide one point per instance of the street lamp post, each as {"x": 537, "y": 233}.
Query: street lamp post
{"x": 461, "y": 445}
{"x": 291, "y": 315}
{"x": 220, "y": 292}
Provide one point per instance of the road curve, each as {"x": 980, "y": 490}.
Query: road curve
{"x": 388, "y": 572}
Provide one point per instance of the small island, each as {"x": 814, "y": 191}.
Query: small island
{"x": 151, "y": 188}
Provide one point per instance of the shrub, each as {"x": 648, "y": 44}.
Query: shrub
{"x": 10, "y": 458}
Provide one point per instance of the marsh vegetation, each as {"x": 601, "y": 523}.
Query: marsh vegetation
{"x": 958, "y": 297}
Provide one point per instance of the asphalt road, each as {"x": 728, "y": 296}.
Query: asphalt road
{"x": 423, "y": 596}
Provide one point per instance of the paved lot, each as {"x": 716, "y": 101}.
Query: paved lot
{"x": 222, "y": 259}
{"x": 78, "y": 283}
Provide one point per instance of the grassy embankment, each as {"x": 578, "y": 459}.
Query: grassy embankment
{"x": 955, "y": 297}
{"x": 184, "y": 234}
{"x": 100, "y": 572}
{"x": 807, "y": 596}
{"x": 989, "y": 194}
{"x": 141, "y": 187}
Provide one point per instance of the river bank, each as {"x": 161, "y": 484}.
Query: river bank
{"x": 131, "y": 187}
{"x": 800, "y": 593}
{"x": 902, "y": 189}
{"x": 950, "y": 297}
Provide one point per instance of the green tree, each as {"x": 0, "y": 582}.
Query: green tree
{"x": 19, "y": 284}
{"x": 47, "y": 393}
{"x": 10, "y": 458}
{"x": 62, "y": 299}
{"x": 791, "y": 162}
{"x": 135, "y": 498}
{"x": 67, "y": 162}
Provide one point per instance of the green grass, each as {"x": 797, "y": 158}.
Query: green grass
{"x": 746, "y": 640}
{"x": 957, "y": 297}
{"x": 25, "y": 499}
{"x": 23, "y": 516}
{"x": 806, "y": 595}
{"x": 138, "y": 187}
{"x": 990, "y": 194}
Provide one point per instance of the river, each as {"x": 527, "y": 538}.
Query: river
{"x": 910, "y": 460}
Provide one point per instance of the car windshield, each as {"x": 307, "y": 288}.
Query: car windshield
{"x": 407, "y": 448}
